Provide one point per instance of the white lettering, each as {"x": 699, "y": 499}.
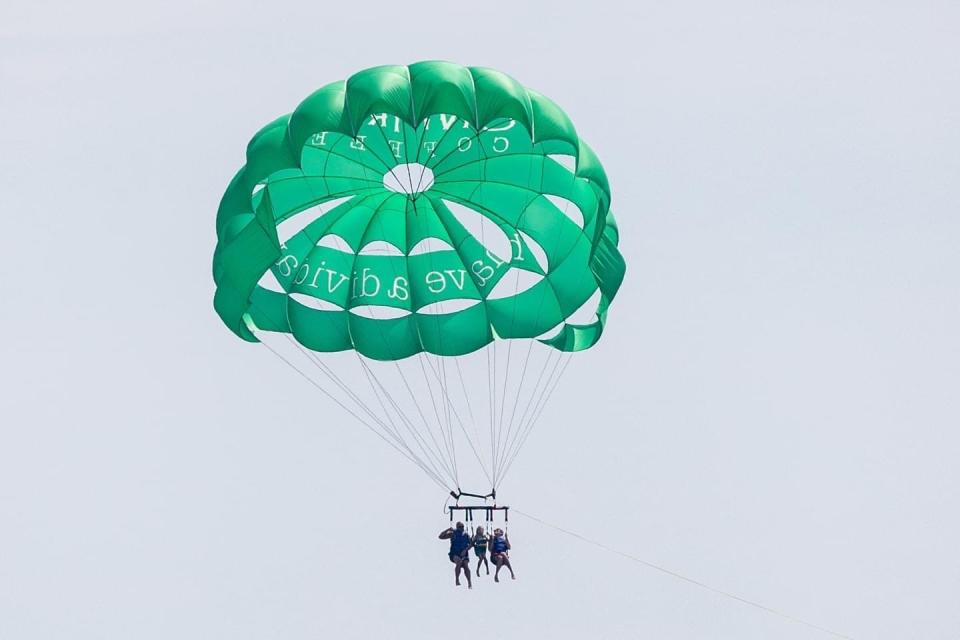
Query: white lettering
{"x": 285, "y": 267}
{"x": 316, "y": 274}
{"x": 518, "y": 247}
{"x": 399, "y": 290}
{"x": 302, "y": 274}
{"x": 453, "y": 276}
{"x": 365, "y": 279}
{"x": 510, "y": 124}
{"x": 497, "y": 261}
{"x": 482, "y": 271}
{"x": 333, "y": 287}
{"x": 447, "y": 120}
{"x": 435, "y": 281}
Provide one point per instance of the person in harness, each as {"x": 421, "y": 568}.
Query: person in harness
{"x": 499, "y": 553}
{"x": 460, "y": 542}
{"x": 480, "y": 543}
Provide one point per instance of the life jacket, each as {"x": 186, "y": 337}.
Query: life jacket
{"x": 459, "y": 542}
{"x": 499, "y": 544}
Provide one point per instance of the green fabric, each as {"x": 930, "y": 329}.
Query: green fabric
{"x": 421, "y": 201}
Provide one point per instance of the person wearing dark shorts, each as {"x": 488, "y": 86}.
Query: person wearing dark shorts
{"x": 460, "y": 542}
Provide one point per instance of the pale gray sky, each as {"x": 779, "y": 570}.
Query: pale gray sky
{"x": 773, "y": 410}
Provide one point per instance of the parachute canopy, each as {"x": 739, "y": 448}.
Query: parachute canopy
{"x": 426, "y": 210}
{"x": 422, "y": 208}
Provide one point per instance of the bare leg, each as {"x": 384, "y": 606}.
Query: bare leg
{"x": 499, "y": 562}
{"x": 456, "y": 572}
{"x": 466, "y": 571}
{"x": 506, "y": 561}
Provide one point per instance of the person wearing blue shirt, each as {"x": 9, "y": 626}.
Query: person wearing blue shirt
{"x": 460, "y": 543}
{"x": 499, "y": 553}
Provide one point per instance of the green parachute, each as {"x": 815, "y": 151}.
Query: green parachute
{"x": 421, "y": 212}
